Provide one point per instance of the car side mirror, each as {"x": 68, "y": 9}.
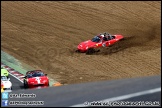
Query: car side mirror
{"x": 45, "y": 74}
{"x": 8, "y": 79}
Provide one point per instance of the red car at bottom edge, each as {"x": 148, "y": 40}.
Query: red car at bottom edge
{"x": 35, "y": 78}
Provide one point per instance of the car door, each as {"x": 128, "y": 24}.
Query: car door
{"x": 111, "y": 42}
{"x": 108, "y": 43}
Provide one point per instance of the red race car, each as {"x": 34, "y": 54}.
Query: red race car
{"x": 35, "y": 78}
{"x": 101, "y": 40}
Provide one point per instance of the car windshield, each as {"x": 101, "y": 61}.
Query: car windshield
{"x": 36, "y": 74}
{"x": 4, "y": 78}
{"x": 29, "y": 76}
{"x": 95, "y": 39}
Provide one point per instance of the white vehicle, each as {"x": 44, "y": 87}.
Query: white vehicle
{"x": 7, "y": 83}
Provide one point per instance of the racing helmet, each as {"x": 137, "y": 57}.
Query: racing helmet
{"x": 102, "y": 35}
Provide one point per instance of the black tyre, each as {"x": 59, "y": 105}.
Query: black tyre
{"x": 25, "y": 85}
{"x": 90, "y": 51}
{"x": 77, "y": 51}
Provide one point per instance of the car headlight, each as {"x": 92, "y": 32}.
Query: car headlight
{"x": 44, "y": 81}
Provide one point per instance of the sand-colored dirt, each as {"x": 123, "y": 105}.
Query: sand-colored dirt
{"x": 45, "y": 34}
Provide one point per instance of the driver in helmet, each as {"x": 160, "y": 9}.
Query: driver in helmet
{"x": 107, "y": 36}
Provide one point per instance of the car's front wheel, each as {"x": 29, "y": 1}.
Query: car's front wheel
{"x": 90, "y": 51}
{"x": 25, "y": 85}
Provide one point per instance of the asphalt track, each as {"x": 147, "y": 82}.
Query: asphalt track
{"x": 147, "y": 89}
{"x": 16, "y": 84}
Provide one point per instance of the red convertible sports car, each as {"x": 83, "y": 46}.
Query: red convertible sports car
{"x": 101, "y": 40}
{"x": 35, "y": 78}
